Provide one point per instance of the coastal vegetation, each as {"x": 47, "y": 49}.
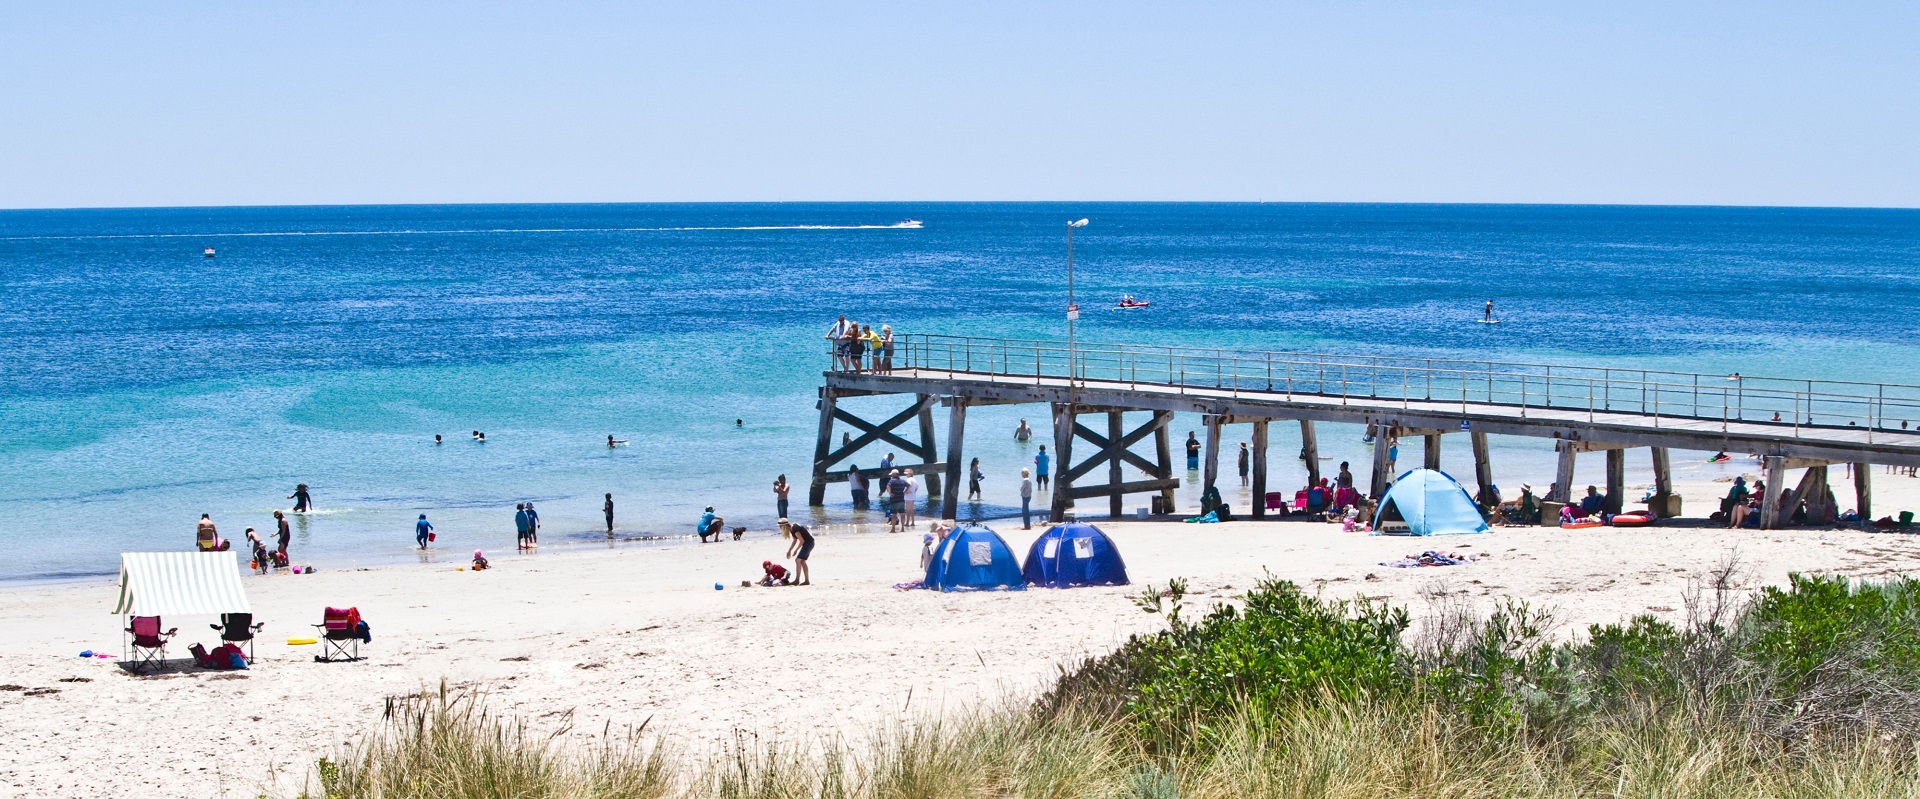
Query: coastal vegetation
{"x": 1811, "y": 689}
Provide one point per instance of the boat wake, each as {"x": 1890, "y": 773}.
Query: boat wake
{"x": 910, "y": 224}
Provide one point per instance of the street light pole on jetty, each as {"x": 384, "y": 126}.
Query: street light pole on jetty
{"x": 1073, "y": 311}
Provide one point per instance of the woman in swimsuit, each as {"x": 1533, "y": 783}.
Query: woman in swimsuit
{"x": 973, "y": 480}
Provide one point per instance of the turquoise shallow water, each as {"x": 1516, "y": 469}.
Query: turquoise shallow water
{"x": 141, "y": 384}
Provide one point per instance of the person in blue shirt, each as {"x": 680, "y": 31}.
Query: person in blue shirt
{"x": 533, "y": 526}
{"x": 705, "y": 527}
{"x": 1040, "y": 468}
{"x": 521, "y": 524}
{"x": 422, "y": 530}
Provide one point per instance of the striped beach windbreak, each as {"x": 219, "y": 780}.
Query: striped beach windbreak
{"x": 180, "y": 583}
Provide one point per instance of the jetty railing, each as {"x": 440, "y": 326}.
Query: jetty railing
{"x": 1527, "y": 387}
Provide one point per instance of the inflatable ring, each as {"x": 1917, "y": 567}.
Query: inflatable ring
{"x": 1632, "y": 520}
{"x": 302, "y": 641}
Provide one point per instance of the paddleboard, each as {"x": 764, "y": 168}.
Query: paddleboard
{"x": 302, "y": 641}
{"x": 1488, "y": 321}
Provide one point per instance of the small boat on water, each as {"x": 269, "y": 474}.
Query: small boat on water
{"x": 908, "y": 223}
{"x": 207, "y": 253}
{"x": 1127, "y": 301}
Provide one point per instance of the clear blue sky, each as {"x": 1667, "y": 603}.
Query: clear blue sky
{"x": 199, "y": 103}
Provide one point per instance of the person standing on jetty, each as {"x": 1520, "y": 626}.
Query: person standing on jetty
{"x": 520, "y": 525}
{"x": 302, "y": 501}
{"x": 1040, "y": 468}
{"x": 609, "y": 510}
{"x": 422, "y": 532}
{"x": 780, "y": 489}
{"x": 800, "y": 549}
{"x": 837, "y": 338}
{"x": 1193, "y": 452}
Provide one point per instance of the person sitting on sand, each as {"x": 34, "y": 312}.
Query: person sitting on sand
{"x": 1592, "y": 503}
{"x": 480, "y": 561}
{"x": 776, "y": 574}
{"x": 1735, "y": 505}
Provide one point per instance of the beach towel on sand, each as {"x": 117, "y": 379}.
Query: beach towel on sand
{"x": 1429, "y": 558}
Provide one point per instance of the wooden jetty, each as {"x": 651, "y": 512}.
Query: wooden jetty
{"x": 1790, "y": 424}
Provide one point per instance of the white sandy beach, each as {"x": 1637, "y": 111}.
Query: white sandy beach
{"x": 634, "y": 633}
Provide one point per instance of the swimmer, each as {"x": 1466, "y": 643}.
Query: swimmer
{"x": 614, "y": 442}
{"x": 302, "y": 502}
{"x": 436, "y": 439}
{"x": 739, "y": 423}
{"x": 480, "y": 437}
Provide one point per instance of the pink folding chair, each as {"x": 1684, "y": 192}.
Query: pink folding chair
{"x": 149, "y": 644}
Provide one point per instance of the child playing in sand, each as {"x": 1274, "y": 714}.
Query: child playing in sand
{"x": 480, "y": 561}
{"x": 776, "y": 574}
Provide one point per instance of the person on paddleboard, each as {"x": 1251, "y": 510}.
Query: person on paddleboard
{"x": 1489, "y": 316}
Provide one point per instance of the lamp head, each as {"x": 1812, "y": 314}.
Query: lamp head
{"x": 1080, "y": 223}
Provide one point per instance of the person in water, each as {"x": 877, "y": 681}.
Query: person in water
{"x": 207, "y": 537}
{"x": 609, "y": 510}
{"x": 1040, "y": 473}
{"x": 1193, "y": 452}
{"x": 780, "y": 489}
{"x": 285, "y": 533}
{"x": 614, "y": 442}
{"x": 436, "y": 439}
{"x": 302, "y": 501}
{"x": 422, "y": 531}
{"x": 1023, "y": 433}
{"x": 974, "y": 476}
{"x": 522, "y": 526}
{"x": 533, "y": 525}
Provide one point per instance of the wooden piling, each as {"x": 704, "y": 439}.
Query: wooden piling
{"x": 1259, "y": 509}
{"x": 1482, "y": 467}
{"x": 956, "y": 456}
{"x": 1063, "y": 460}
{"x": 1163, "y": 453}
{"x": 1662, "y": 483}
{"x": 822, "y": 449}
{"x": 1616, "y": 480}
{"x": 1377, "y": 486}
{"x": 1310, "y": 451}
{"x": 1431, "y": 450}
{"x": 1770, "y": 518}
{"x": 1863, "y": 491}
{"x": 1563, "y": 477}
{"x": 926, "y": 439}
{"x": 1116, "y": 431}
{"x": 1210, "y": 463}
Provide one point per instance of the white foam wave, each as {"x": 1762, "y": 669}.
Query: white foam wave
{"x": 908, "y": 225}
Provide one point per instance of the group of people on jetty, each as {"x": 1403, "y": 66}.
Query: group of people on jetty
{"x": 859, "y": 348}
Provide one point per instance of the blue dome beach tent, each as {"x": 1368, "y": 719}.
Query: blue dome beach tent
{"x": 974, "y": 558}
{"x": 1426, "y": 502}
{"x": 1073, "y": 554}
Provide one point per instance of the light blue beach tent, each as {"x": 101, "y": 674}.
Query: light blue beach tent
{"x": 1426, "y": 502}
{"x": 974, "y": 558}
{"x": 1074, "y": 553}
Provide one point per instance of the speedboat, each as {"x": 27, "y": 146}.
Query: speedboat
{"x": 1129, "y": 302}
{"x": 207, "y": 253}
{"x": 908, "y": 223}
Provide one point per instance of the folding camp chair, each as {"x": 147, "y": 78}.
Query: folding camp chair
{"x": 149, "y": 645}
{"x": 340, "y": 635}
{"x": 238, "y": 629}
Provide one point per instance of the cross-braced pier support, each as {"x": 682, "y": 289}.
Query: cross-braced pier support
{"x": 1111, "y": 449}
{"x": 826, "y": 456}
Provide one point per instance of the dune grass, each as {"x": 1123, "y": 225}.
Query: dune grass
{"x": 1806, "y": 692}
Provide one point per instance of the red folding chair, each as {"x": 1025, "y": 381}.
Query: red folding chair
{"x": 340, "y": 635}
{"x": 149, "y": 644}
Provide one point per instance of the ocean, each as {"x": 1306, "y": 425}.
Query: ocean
{"x": 142, "y": 384}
